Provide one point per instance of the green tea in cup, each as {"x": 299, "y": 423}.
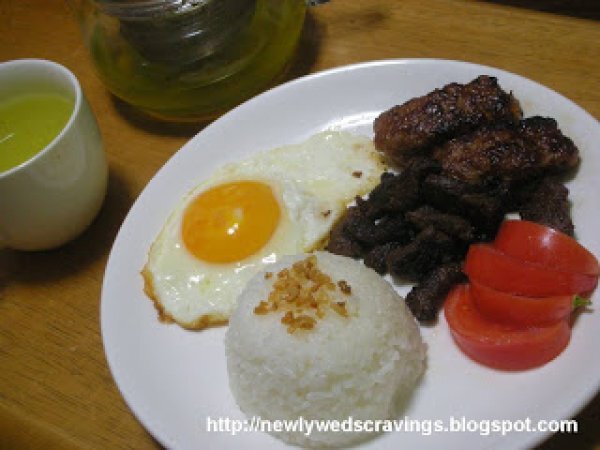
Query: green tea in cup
{"x": 28, "y": 123}
{"x": 53, "y": 170}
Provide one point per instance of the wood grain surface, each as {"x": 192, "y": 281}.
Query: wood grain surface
{"x": 55, "y": 387}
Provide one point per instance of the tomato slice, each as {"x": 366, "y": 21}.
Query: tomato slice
{"x": 489, "y": 266}
{"x": 498, "y": 345}
{"x": 518, "y": 310}
{"x": 545, "y": 246}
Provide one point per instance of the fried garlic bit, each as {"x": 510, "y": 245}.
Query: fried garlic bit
{"x": 302, "y": 293}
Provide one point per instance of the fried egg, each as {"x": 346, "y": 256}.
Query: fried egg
{"x": 249, "y": 214}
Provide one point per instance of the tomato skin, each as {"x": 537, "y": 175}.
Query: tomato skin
{"x": 545, "y": 246}
{"x": 489, "y": 266}
{"x": 498, "y": 345}
{"x": 518, "y": 310}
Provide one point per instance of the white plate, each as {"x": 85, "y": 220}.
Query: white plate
{"x": 174, "y": 379}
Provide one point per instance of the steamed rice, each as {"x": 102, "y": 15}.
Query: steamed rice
{"x": 357, "y": 366}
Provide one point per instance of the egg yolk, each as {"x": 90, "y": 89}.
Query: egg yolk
{"x": 231, "y": 221}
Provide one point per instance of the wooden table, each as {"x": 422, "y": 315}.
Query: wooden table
{"x": 55, "y": 386}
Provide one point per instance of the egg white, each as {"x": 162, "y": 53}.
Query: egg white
{"x": 313, "y": 182}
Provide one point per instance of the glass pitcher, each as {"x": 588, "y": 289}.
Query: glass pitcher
{"x": 189, "y": 60}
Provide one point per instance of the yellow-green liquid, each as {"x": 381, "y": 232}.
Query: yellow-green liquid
{"x": 28, "y": 123}
{"x": 249, "y": 64}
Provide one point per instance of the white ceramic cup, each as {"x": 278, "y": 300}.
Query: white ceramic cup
{"x": 52, "y": 197}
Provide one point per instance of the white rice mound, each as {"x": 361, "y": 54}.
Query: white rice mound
{"x": 358, "y": 366}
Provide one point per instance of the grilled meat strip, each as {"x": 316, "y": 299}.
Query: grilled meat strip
{"x": 426, "y": 298}
{"x": 508, "y": 153}
{"x": 428, "y": 250}
{"x": 380, "y": 218}
{"x": 340, "y": 242}
{"x": 548, "y": 204}
{"x": 398, "y": 193}
{"x": 451, "y": 224}
{"x": 412, "y": 128}
{"x": 376, "y": 258}
{"x": 485, "y": 210}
